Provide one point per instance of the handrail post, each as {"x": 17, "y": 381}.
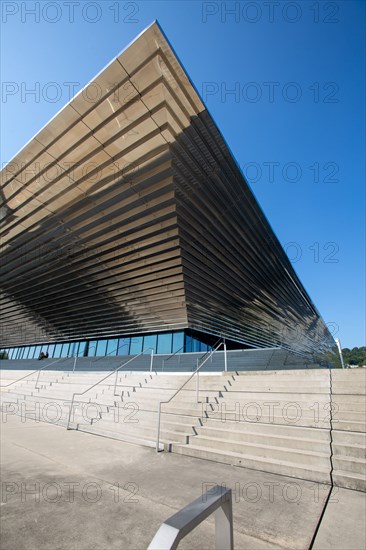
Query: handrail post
{"x": 70, "y": 411}
{"x": 36, "y": 384}
{"x": 225, "y": 355}
{"x": 115, "y": 383}
{"x": 151, "y": 359}
{"x": 198, "y": 386}
{"x": 203, "y": 361}
{"x": 158, "y": 435}
{"x": 73, "y": 370}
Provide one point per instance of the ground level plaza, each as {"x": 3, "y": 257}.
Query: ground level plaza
{"x": 72, "y": 490}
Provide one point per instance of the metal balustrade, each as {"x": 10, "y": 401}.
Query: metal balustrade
{"x": 105, "y": 378}
{"x": 34, "y": 372}
{"x": 200, "y": 364}
{"x": 219, "y": 501}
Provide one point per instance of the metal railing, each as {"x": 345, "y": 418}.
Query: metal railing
{"x": 204, "y": 359}
{"x": 105, "y": 378}
{"x": 34, "y": 372}
{"x": 174, "y": 529}
{"x": 170, "y": 357}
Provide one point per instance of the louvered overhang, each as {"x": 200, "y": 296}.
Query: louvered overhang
{"x": 127, "y": 214}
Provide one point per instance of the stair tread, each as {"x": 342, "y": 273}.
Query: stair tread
{"x": 263, "y": 446}
{"x": 265, "y": 434}
{"x": 251, "y": 457}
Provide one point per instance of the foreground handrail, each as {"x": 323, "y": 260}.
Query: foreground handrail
{"x": 101, "y": 380}
{"x": 209, "y": 354}
{"x": 174, "y": 529}
{"x": 33, "y": 372}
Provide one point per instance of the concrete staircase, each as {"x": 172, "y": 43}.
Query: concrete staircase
{"x": 349, "y": 427}
{"x": 280, "y": 421}
{"x": 274, "y": 421}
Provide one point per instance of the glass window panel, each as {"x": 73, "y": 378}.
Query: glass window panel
{"x": 37, "y": 351}
{"x": 64, "y": 350}
{"x": 112, "y": 346}
{"x": 124, "y": 346}
{"x": 101, "y": 347}
{"x": 21, "y": 353}
{"x": 196, "y": 345}
{"x": 57, "y": 351}
{"x": 188, "y": 343}
{"x": 136, "y": 345}
{"x": 178, "y": 340}
{"x": 165, "y": 343}
{"x": 26, "y": 352}
{"x": 72, "y": 349}
{"x": 81, "y": 349}
{"x": 13, "y": 352}
{"x": 150, "y": 342}
{"x": 51, "y": 350}
{"x": 92, "y": 348}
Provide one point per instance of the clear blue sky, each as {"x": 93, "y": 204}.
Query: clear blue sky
{"x": 295, "y": 122}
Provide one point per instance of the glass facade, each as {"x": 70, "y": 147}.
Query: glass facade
{"x": 161, "y": 343}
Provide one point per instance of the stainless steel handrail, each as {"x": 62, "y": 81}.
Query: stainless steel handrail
{"x": 172, "y": 355}
{"x": 76, "y": 356}
{"x": 57, "y": 361}
{"x": 101, "y": 380}
{"x": 174, "y": 529}
{"x": 33, "y": 372}
{"x": 210, "y": 353}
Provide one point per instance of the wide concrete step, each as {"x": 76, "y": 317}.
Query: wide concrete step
{"x": 318, "y": 473}
{"x": 261, "y": 450}
{"x": 349, "y": 480}
{"x": 350, "y": 464}
{"x": 347, "y": 437}
{"x": 294, "y": 417}
{"x": 259, "y": 438}
{"x": 270, "y": 429}
{"x": 350, "y": 406}
{"x": 349, "y": 450}
{"x": 349, "y": 425}
{"x": 351, "y": 416}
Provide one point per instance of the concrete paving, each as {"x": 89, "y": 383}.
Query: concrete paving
{"x": 69, "y": 490}
{"x": 344, "y": 523}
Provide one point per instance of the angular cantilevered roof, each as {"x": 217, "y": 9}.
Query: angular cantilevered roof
{"x": 127, "y": 213}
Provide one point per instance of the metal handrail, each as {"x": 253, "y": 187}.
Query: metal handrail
{"x": 210, "y": 353}
{"x": 33, "y": 372}
{"x": 101, "y": 380}
{"x": 76, "y": 356}
{"x": 172, "y": 355}
{"x": 174, "y": 529}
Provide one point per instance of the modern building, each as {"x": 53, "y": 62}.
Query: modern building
{"x": 127, "y": 224}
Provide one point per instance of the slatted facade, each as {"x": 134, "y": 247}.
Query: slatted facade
{"x": 127, "y": 214}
